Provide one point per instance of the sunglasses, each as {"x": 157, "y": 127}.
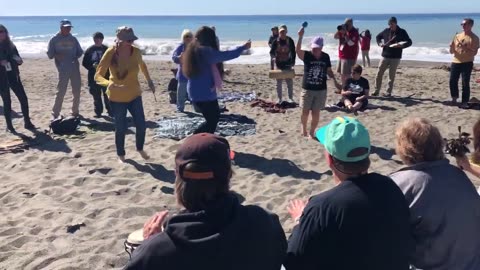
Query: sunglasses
{"x": 188, "y": 36}
{"x": 130, "y": 41}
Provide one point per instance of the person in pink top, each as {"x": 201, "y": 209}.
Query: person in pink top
{"x": 348, "y": 48}
{"x": 365, "y": 39}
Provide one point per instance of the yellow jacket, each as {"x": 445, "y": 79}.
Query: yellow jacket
{"x": 133, "y": 65}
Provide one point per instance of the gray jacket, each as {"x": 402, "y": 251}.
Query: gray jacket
{"x": 445, "y": 209}
{"x": 66, "y": 50}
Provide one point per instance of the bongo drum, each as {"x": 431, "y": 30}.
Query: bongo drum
{"x": 133, "y": 241}
{"x": 281, "y": 74}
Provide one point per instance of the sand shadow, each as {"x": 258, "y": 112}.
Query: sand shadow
{"x": 44, "y": 142}
{"x": 385, "y": 154}
{"x": 280, "y": 167}
{"x": 14, "y": 113}
{"x": 157, "y": 171}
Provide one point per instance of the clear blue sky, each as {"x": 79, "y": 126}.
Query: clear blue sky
{"x": 229, "y": 7}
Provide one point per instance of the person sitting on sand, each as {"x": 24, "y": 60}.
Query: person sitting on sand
{"x": 444, "y": 205}
{"x": 10, "y": 78}
{"x": 213, "y": 231}
{"x": 283, "y": 51}
{"x": 187, "y": 37}
{"x": 355, "y": 91}
{"x": 472, "y": 165}
{"x": 124, "y": 61}
{"x": 362, "y": 223}
{"x": 202, "y": 65}
{"x": 314, "y": 95}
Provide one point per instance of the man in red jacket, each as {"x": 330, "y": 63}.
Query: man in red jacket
{"x": 348, "y": 37}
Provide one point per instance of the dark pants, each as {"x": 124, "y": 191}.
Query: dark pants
{"x": 464, "y": 69}
{"x": 119, "y": 109}
{"x": 16, "y": 85}
{"x": 211, "y": 112}
{"x": 97, "y": 92}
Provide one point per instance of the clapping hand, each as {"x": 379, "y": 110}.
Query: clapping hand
{"x": 295, "y": 209}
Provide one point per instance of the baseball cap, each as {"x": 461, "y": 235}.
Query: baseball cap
{"x": 65, "y": 23}
{"x": 274, "y": 28}
{"x": 207, "y": 151}
{"x": 282, "y": 27}
{"x": 317, "y": 42}
{"x": 343, "y": 137}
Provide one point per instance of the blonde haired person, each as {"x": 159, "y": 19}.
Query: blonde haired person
{"x": 187, "y": 37}
{"x": 443, "y": 201}
{"x": 124, "y": 61}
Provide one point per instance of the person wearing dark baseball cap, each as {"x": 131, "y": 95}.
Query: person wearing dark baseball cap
{"x": 272, "y": 39}
{"x": 214, "y": 231}
{"x": 362, "y": 223}
{"x": 66, "y": 51}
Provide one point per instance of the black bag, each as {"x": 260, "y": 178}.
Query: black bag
{"x": 172, "y": 91}
{"x": 64, "y": 126}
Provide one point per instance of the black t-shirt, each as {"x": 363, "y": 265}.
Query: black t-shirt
{"x": 91, "y": 59}
{"x": 358, "y": 87}
{"x": 361, "y": 224}
{"x": 315, "y": 71}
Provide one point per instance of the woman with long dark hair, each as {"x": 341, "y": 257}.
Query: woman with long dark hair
{"x": 10, "y": 78}
{"x": 124, "y": 61}
{"x": 202, "y": 65}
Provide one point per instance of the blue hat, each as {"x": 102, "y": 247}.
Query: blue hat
{"x": 344, "y": 135}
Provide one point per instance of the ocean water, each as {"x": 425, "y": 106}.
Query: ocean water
{"x": 159, "y": 35}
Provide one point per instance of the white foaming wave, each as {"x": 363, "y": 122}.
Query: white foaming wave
{"x": 162, "y": 49}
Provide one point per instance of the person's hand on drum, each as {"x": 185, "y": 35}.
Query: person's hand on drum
{"x": 154, "y": 225}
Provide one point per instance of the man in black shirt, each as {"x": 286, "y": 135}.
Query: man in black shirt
{"x": 393, "y": 40}
{"x": 360, "y": 224}
{"x": 92, "y": 57}
{"x": 317, "y": 66}
{"x": 283, "y": 50}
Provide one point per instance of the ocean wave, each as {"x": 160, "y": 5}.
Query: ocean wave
{"x": 162, "y": 49}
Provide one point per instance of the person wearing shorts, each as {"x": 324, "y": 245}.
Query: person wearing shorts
{"x": 348, "y": 48}
{"x": 355, "y": 91}
{"x": 317, "y": 66}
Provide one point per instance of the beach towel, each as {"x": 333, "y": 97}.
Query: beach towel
{"x": 180, "y": 127}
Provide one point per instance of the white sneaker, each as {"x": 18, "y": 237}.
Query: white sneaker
{"x": 290, "y": 100}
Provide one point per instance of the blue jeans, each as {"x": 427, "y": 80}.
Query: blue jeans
{"x": 181, "y": 95}
{"x": 465, "y": 70}
{"x": 135, "y": 107}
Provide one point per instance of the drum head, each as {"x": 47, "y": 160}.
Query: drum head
{"x": 136, "y": 237}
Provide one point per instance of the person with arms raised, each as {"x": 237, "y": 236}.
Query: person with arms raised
{"x": 317, "y": 66}
{"x": 203, "y": 67}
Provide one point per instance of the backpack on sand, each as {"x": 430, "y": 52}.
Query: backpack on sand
{"x": 65, "y": 126}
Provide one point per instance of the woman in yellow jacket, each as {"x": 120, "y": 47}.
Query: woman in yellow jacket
{"x": 124, "y": 62}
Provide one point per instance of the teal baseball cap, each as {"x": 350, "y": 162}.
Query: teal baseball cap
{"x": 345, "y": 139}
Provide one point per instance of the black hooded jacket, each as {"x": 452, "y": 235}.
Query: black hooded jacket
{"x": 390, "y": 37}
{"x": 227, "y": 235}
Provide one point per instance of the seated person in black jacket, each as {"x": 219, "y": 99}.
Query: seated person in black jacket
{"x": 214, "y": 231}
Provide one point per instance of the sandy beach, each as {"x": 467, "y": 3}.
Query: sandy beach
{"x": 61, "y": 181}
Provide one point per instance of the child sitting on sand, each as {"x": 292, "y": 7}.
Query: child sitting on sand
{"x": 317, "y": 66}
{"x": 355, "y": 91}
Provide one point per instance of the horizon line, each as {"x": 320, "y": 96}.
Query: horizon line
{"x": 222, "y": 15}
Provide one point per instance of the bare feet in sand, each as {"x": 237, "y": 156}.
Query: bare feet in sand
{"x": 144, "y": 155}
{"x": 304, "y": 132}
{"x": 121, "y": 159}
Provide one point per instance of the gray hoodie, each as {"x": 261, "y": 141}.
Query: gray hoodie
{"x": 445, "y": 211}
{"x": 66, "y": 50}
